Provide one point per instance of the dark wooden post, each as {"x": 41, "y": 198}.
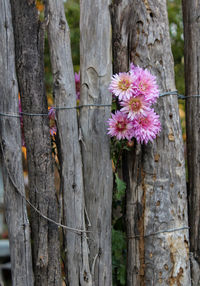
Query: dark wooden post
{"x": 29, "y": 41}
{"x": 155, "y": 173}
{"x": 192, "y": 84}
{"x": 11, "y": 159}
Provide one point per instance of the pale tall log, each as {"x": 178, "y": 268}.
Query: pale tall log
{"x": 155, "y": 173}
{"x": 11, "y": 158}
{"x": 192, "y": 81}
{"x": 29, "y": 41}
{"x": 96, "y": 67}
{"x": 77, "y": 261}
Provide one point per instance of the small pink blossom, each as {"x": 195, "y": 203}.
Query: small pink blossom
{"x": 77, "y": 83}
{"x": 145, "y": 83}
{"x": 132, "y": 67}
{"x": 120, "y": 126}
{"x": 122, "y": 85}
{"x": 52, "y": 117}
{"x": 134, "y": 106}
{"x": 53, "y": 130}
{"x": 146, "y": 128}
{"x": 52, "y": 113}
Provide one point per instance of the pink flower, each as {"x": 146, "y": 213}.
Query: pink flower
{"x": 145, "y": 83}
{"x": 145, "y": 128}
{"x": 120, "y": 126}
{"x": 52, "y": 113}
{"x": 122, "y": 85}
{"x": 132, "y": 67}
{"x": 77, "y": 83}
{"x": 134, "y": 106}
{"x": 52, "y": 116}
{"x": 53, "y": 130}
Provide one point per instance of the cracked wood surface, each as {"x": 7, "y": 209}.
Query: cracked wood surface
{"x": 11, "y": 158}
{"x": 192, "y": 84}
{"x": 29, "y": 42}
{"x": 96, "y": 68}
{"x": 155, "y": 173}
{"x": 77, "y": 261}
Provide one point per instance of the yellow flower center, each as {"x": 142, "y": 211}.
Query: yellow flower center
{"x": 144, "y": 121}
{"x": 135, "y": 104}
{"x": 124, "y": 84}
{"x": 121, "y": 126}
{"x": 142, "y": 86}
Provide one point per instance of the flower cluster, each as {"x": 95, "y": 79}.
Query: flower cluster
{"x": 136, "y": 91}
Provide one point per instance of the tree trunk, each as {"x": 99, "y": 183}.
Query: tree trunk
{"x": 192, "y": 81}
{"x": 29, "y": 41}
{"x": 95, "y": 54}
{"x": 154, "y": 173}
{"x": 78, "y": 272}
{"x": 11, "y": 159}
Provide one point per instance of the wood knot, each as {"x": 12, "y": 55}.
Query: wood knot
{"x": 85, "y": 276}
{"x": 62, "y": 24}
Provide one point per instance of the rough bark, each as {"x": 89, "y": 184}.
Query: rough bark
{"x": 192, "y": 82}
{"x": 78, "y": 272}
{"x": 95, "y": 53}
{"x": 11, "y": 159}
{"x": 155, "y": 173}
{"x": 29, "y": 38}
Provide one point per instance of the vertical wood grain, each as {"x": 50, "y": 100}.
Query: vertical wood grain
{"x": 155, "y": 173}
{"x": 96, "y": 68}
{"x": 11, "y": 159}
{"x": 29, "y": 48}
{"x": 77, "y": 263}
{"x": 192, "y": 82}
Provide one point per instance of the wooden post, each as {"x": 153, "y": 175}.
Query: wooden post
{"x": 77, "y": 263}
{"x": 11, "y": 159}
{"x": 192, "y": 82}
{"x": 155, "y": 173}
{"x": 96, "y": 67}
{"x": 29, "y": 42}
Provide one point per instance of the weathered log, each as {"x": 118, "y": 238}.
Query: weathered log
{"x": 29, "y": 41}
{"x": 155, "y": 173}
{"x": 96, "y": 67}
{"x": 11, "y": 158}
{"x": 192, "y": 81}
{"x": 77, "y": 262}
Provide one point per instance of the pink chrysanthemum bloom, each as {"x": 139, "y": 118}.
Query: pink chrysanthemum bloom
{"x": 122, "y": 85}
{"x": 146, "y": 127}
{"x": 120, "y": 126}
{"x": 145, "y": 83}
{"x": 134, "y": 106}
{"x": 77, "y": 83}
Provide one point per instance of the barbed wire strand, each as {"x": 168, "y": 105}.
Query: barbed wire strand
{"x": 18, "y": 115}
{"x": 180, "y": 96}
{"x": 158, "y": 232}
{"x": 78, "y": 231}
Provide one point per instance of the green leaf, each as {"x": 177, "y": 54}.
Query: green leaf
{"x": 121, "y": 187}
